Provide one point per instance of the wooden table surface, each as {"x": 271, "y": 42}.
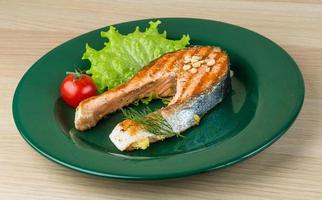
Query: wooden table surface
{"x": 290, "y": 169}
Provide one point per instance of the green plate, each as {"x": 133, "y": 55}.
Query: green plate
{"x": 267, "y": 95}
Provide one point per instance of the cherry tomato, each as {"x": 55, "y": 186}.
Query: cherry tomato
{"x": 76, "y": 87}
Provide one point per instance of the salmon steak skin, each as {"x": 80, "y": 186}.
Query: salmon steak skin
{"x": 197, "y": 78}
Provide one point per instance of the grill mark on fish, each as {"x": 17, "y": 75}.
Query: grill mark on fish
{"x": 170, "y": 65}
{"x": 209, "y": 78}
{"x": 195, "y": 85}
{"x": 185, "y": 79}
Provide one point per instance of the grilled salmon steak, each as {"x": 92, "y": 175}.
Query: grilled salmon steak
{"x": 197, "y": 78}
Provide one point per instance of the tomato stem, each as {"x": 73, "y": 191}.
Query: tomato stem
{"x": 77, "y": 73}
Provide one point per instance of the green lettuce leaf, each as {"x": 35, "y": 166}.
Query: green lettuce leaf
{"x": 124, "y": 55}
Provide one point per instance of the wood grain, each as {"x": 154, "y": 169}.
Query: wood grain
{"x": 290, "y": 169}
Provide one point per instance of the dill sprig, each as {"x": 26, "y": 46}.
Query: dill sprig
{"x": 151, "y": 121}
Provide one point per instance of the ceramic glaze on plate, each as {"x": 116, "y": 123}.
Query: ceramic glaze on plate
{"x": 267, "y": 94}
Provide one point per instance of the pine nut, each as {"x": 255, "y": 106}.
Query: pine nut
{"x": 186, "y": 67}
